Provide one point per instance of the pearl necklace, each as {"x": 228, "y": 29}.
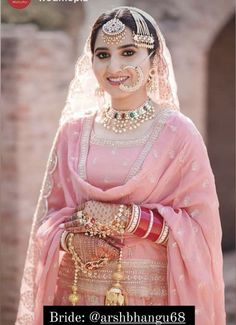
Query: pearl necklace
{"x": 122, "y": 121}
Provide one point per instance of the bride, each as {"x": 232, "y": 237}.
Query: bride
{"x": 128, "y": 211}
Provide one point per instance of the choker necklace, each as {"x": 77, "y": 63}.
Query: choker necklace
{"x": 123, "y": 121}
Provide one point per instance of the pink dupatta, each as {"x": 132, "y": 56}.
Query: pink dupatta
{"x": 178, "y": 179}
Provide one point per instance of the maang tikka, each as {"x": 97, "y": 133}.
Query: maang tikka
{"x": 113, "y": 31}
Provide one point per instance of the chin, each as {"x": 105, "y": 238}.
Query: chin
{"x": 119, "y": 94}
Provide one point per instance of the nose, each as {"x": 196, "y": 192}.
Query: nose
{"x": 114, "y": 66}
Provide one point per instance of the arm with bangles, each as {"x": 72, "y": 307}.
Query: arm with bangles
{"x": 134, "y": 219}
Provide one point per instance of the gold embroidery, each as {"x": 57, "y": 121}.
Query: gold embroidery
{"x": 161, "y": 118}
{"x": 118, "y": 143}
{"x": 141, "y": 277}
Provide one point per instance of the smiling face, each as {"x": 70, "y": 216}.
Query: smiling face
{"x": 109, "y": 62}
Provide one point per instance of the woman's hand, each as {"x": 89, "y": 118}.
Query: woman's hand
{"x": 93, "y": 248}
{"x": 94, "y": 213}
{"x": 100, "y": 212}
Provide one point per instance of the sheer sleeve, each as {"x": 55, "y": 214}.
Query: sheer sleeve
{"x": 195, "y": 272}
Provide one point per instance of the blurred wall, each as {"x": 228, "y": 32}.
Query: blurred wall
{"x": 36, "y": 69}
{"x": 220, "y": 123}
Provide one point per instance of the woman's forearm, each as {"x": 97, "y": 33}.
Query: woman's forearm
{"x": 147, "y": 224}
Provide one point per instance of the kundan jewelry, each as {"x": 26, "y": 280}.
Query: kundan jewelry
{"x": 117, "y": 295}
{"x": 113, "y": 31}
{"x": 139, "y": 79}
{"x": 115, "y": 226}
{"x": 86, "y": 268}
{"x": 142, "y": 38}
{"x": 152, "y": 82}
{"x": 123, "y": 121}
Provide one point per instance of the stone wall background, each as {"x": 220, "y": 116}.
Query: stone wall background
{"x": 38, "y": 55}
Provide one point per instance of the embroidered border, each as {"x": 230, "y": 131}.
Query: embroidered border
{"x": 47, "y": 186}
{"x": 161, "y": 119}
{"x": 84, "y": 146}
{"x": 118, "y": 143}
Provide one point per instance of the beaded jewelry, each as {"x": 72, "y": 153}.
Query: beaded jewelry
{"x": 122, "y": 121}
{"x": 142, "y": 38}
{"x": 152, "y": 83}
{"x": 138, "y": 83}
{"x": 117, "y": 225}
{"x": 113, "y": 31}
{"x": 83, "y": 267}
{"x": 116, "y": 295}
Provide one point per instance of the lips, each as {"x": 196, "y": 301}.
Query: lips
{"x": 116, "y": 81}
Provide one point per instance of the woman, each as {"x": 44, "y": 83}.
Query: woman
{"x": 128, "y": 212}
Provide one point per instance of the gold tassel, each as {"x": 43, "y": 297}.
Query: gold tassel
{"x": 116, "y": 295}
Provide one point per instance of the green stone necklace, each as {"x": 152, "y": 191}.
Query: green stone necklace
{"x": 123, "y": 121}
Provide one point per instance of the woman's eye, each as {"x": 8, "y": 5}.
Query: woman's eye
{"x": 102, "y": 55}
{"x": 128, "y": 53}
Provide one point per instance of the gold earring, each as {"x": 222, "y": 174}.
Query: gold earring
{"x": 99, "y": 91}
{"x": 152, "y": 81}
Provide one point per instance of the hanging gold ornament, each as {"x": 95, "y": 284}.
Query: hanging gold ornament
{"x": 116, "y": 295}
{"x": 113, "y": 31}
{"x": 152, "y": 83}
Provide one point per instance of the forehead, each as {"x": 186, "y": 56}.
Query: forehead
{"x": 128, "y": 39}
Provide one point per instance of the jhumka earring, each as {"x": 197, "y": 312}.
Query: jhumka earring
{"x": 113, "y": 31}
{"x": 99, "y": 91}
{"x": 152, "y": 82}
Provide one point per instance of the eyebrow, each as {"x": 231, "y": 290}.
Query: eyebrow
{"x": 119, "y": 48}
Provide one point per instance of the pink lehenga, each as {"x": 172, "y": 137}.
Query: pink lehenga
{"x": 168, "y": 170}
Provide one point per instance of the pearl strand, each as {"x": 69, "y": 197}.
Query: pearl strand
{"x": 122, "y": 121}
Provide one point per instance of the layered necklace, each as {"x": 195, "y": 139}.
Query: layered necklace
{"x": 123, "y": 121}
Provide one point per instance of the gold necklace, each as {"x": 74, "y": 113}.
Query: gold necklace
{"x": 123, "y": 121}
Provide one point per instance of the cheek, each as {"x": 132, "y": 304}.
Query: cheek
{"x": 99, "y": 68}
{"x": 146, "y": 69}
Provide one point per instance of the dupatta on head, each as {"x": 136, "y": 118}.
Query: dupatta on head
{"x": 181, "y": 197}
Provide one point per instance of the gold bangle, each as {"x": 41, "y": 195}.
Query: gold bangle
{"x": 63, "y": 241}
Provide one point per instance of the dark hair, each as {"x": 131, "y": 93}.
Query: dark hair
{"x": 127, "y": 19}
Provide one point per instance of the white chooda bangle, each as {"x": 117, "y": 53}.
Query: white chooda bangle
{"x": 163, "y": 235}
{"x": 63, "y": 241}
{"x": 134, "y": 220}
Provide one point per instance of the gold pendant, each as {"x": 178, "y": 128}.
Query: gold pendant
{"x": 74, "y": 297}
{"x": 116, "y": 295}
